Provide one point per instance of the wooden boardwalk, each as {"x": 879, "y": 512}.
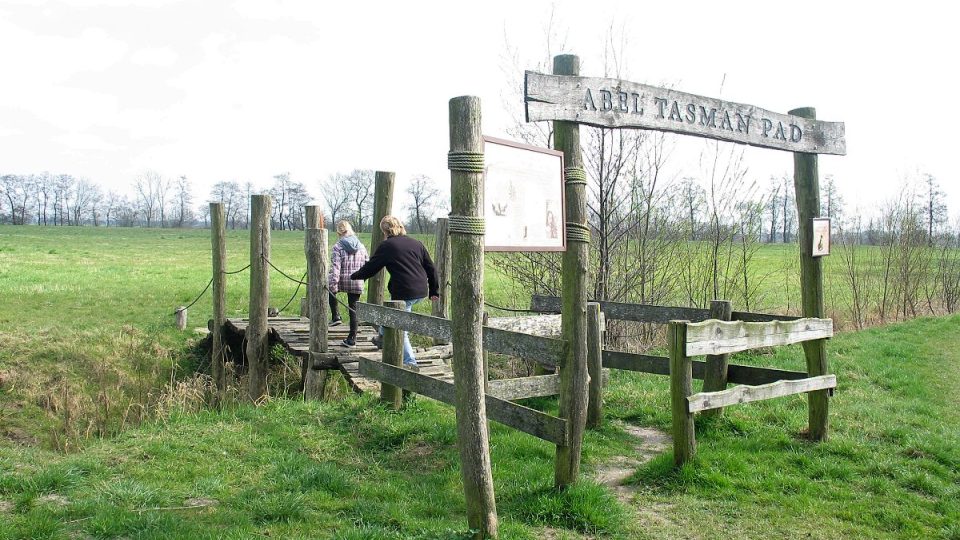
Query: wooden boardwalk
{"x": 293, "y": 333}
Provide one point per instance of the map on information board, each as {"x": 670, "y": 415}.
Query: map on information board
{"x": 523, "y": 197}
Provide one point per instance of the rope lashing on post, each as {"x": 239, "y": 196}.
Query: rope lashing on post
{"x": 466, "y": 225}
{"x": 574, "y": 175}
{"x": 465, "y": 161}
{"x": 577, "y": 232}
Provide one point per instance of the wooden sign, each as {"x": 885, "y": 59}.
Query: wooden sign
{"x": 523, "y": 197}
{"x": 613, "y": 103}
{"x": 821, "y": 237}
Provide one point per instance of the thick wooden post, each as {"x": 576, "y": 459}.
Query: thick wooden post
{"x": 573, "y": 368}
{"x": 442, "y": 262}
{"x": 715, "y": 373}
{"x": 806, "y": 182}
{"x": 218, "y": 228}
{"x": 256, "y": 335}
{"x": 382, "y": 206}
{"x": 391, "y": 395}
{"x": 681, "y": 386}
{"x": 595, "y": 365}
{"x": 466, "y": 242}
{"x": 316, "y": 249}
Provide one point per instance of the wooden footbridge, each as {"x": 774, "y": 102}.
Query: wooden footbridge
{"x": 293, "y": 334}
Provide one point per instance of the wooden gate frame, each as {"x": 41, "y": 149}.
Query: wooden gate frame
{"x": 569, "y": 100}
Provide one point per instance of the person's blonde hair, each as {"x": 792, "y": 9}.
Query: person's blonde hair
{"x": 344, "y": 228}
{"x": 391, "y": 226}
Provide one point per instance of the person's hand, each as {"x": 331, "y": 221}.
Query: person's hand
{"x": 434, "y": 298}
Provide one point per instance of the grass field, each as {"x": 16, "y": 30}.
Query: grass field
{"x": 87, "y": 314}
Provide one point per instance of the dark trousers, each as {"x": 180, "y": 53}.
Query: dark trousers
{"x": 352, "y": 300}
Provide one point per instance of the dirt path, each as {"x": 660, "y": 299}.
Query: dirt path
{"x": 650, "y": 442}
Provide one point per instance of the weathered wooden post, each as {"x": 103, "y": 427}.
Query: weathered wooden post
{"x": 382, "y": 206}
{"x": 573, "y": 369}
{"x": 258, "y": 350}
{"x": 391, "y": 395}
{"x": 681, "y": 386}
{"x": 715, "y": 372}
{"x": 181, "y": 317}
{"x": 806, "y": 182}
{"x": 442, "y": 262}
{"x": 466, "y": 226}
{"x": 218, "y": 228}
{"x": 595, "y": 365}
{"x": 319, "y": 310}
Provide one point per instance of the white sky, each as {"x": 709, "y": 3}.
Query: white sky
{"x": 247, "y": 89}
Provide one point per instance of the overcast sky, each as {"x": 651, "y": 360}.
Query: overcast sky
{"x": 244, "y": 90}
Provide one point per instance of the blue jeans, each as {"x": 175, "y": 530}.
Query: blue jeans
{"x": 408, "y": 358}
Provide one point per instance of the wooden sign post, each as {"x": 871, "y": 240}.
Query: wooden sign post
{"x": 573, "y": 321}
{"x": 466, "y": 227}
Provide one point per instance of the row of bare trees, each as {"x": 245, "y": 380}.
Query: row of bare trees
{"x": 158, "y": 201}
{"x": 350, "y": 196}
{"x": 62, "y": 199}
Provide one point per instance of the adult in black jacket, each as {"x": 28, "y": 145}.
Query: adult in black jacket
{"x": 412, "y": 275}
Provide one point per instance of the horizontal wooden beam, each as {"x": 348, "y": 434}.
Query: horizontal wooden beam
{"x": 660, "y": 365}
{"x": 424, "y": 325}
{"x": 724, "y": 337}
{"x": 543, "y": 350}
{"x": 524, "y": 387}
{"x": 615, "y": 103}
{"x": 538, "y": 325}
{"x": 531, "y": 421}
{"x": 745, "y": 394}
{"x": 644, "y": 363}
{"x": 528, "y": 387}
{"x": 650, "y": 313}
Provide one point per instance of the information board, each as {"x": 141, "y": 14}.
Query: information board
{"x": 523, "y": 197}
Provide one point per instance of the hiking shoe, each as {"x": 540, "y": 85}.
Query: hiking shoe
{"x": 377, "y": 342}
{"x": 411, "y": 367}
{"x": 335, "y": 322}
{"x": 349, "y": 343}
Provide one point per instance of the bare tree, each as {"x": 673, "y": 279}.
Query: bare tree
{"x": 935, "y": 207}
{"x": 229, "y": 194}
{"x": 183, "y": 198}
{"x": 694, "y": 199}
{"x": 360, "y": 183}
{"x": 423, "y": 195}
{"x": 773, "y": 207}
{"x": 148, "y": 188}
{"x": 86, "y": 196}
{"x": 336, "y": 195}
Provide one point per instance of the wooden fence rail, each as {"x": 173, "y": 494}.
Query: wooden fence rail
{"x": 704, "y": 401}
{"x": 660, "y": 365}
{"x": 531, "y": 421}
{"x": 542, "y": 350}
{"x": 651, "y": 313}
{"x": 721, "y": 337}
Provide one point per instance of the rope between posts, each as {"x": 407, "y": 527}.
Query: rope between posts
{"x": 204, "y": 291}
{"x": 282, "y": 273}
{"x": 285, "y": 306}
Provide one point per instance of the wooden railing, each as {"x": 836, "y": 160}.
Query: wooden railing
{"x": 500, "y": 408}
{"x": 713, "y": 337}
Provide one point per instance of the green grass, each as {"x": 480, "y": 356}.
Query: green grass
{"x": 89, "y": 319}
